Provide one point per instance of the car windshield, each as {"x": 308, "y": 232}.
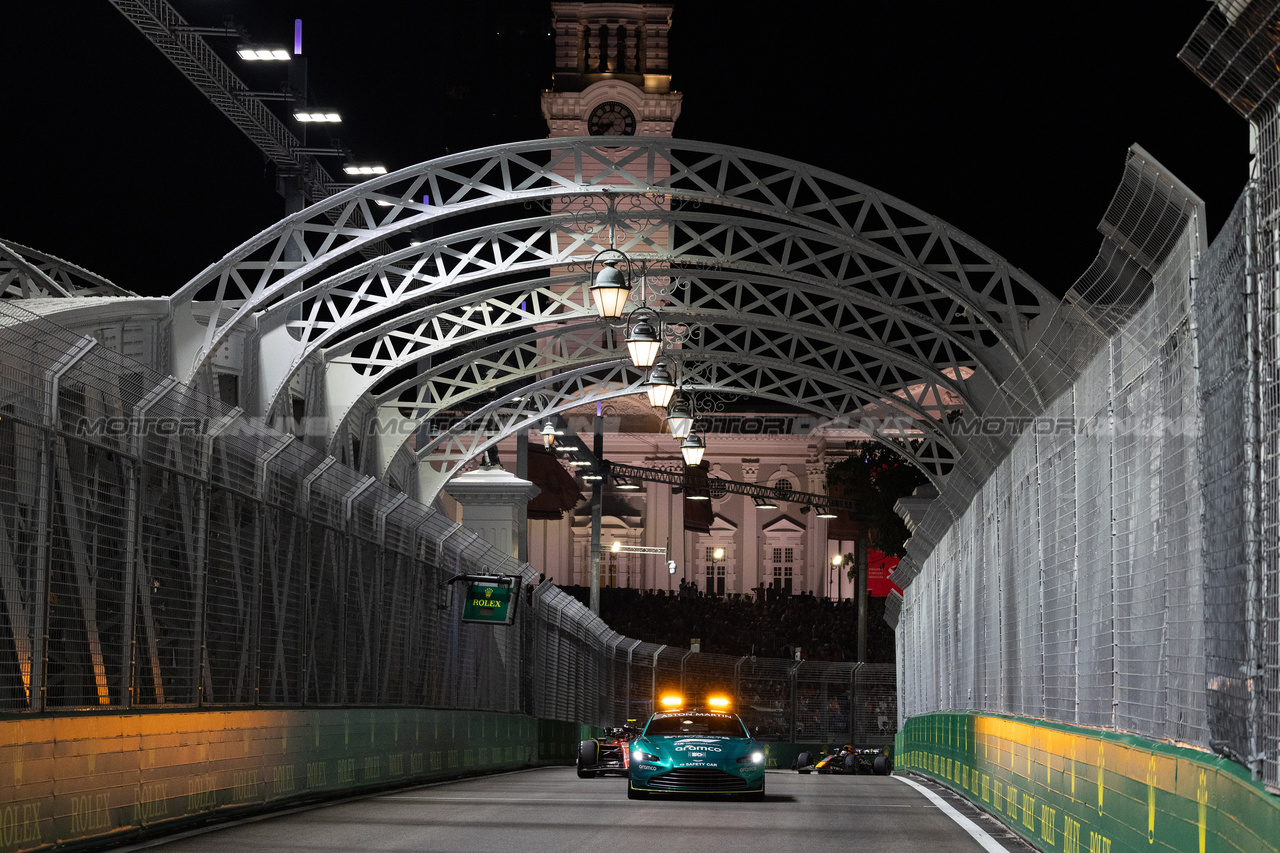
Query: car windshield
{"x": 711, "y": 725}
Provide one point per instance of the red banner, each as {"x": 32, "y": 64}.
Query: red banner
{"x": 878, "y": 568}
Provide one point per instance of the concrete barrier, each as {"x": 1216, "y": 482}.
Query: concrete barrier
{"x": 1074, "y": 790}
{"x": 72, "y": 779}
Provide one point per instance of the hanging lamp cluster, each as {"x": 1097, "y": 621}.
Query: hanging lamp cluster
{"x": 610, "y": 290}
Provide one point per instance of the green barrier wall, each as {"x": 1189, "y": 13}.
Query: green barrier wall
{"x": 70, "y": 779}
{"x": 1074, "y": 790}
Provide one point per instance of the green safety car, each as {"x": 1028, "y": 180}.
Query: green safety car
{"x": 703, "y": 749}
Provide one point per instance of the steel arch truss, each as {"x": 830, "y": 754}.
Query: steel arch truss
{"x": 459, "y": 283}
{"x": 465, "y": 383}
{"x": 26, "y": 273}
{"x": 453, "y": 436}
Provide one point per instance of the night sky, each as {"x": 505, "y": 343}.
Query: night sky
{"x": 1010, "y": 120}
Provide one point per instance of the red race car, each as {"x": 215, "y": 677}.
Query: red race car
{"x": 607, "y": 755}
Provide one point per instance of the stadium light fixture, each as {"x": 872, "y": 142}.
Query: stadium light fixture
{"x": 263, "y": 53}
{"x": 310, "y": 114}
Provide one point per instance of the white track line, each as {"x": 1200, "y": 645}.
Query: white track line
{"x": 979, "y": 834}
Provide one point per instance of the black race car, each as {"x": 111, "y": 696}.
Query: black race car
{"x": 845, "y": 760}
{"x": 607, "y": 755}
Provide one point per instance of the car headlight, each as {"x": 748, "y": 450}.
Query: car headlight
{"x": 641, "y": 755}
{"x": 756, "y": 757}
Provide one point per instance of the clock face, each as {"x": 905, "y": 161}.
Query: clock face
{"x": 611, "y": 119}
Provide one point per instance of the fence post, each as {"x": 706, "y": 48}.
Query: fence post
{"x": 305, "y": 495}
{"x": 262, "y": 467}
{"x": 36, "y": 691}
{"x": 200, "y": 537}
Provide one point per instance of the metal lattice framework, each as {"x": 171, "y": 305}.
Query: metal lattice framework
{"x": 808, "y": 289}
{"x": 26, "y": 273}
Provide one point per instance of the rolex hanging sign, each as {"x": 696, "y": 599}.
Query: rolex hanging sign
{"x": 492, "y": 601}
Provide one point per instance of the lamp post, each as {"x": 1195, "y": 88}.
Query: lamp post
{"x": 716, "y": 556}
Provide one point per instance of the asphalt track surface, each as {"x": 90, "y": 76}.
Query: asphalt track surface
{"x": 552, "y": 810}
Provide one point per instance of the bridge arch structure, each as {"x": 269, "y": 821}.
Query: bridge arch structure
{"x": 407, "y": 323}
{"x": 421, "y": 315}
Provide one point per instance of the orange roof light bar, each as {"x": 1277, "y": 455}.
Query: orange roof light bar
{"x": 672, "y": 701}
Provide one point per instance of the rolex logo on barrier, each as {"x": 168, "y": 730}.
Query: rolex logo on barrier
{"x": 489, "y": 598}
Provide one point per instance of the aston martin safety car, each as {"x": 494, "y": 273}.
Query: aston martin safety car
{"x": 606, "y": 755}
{"x": 703, "y": 749}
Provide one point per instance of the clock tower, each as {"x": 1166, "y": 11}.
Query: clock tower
{"x": 611, "y": 76}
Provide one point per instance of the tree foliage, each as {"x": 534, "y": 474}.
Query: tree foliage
{"x": 875, "y": 476}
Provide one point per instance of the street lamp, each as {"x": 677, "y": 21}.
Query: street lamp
{"x": 548, "y": 434}
{"x": 610, "y": 288}
{"x": 643, "y": 344}
{"x": 680, "y": 416}
{"x": 692, "y": 449}
{"x": 660, "y": 386}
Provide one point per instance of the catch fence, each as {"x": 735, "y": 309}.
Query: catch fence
{"x": 160, "y": 550}
{"x": 1121, "y": 572}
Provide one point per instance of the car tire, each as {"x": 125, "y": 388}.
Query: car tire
{"x": 803, "y": 762}
{"x": 587, "y": 757}
{"x": 634, "y": 793}
{"x": 851, "y": 764}
{"x": 881, "y": 765}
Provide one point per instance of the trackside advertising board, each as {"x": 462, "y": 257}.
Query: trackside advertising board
{"x": 1081, "y": 790}
{"x": 490, "y": 601}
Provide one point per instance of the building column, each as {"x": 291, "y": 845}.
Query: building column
{"x": 751, "y": 545}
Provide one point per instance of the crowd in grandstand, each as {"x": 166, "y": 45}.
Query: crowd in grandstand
{"x": 766, "y": 623}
